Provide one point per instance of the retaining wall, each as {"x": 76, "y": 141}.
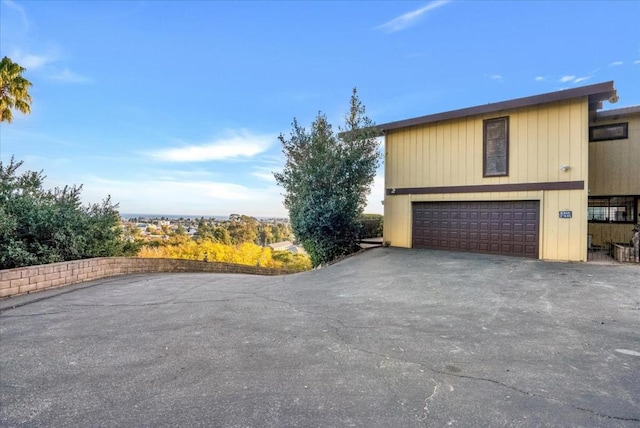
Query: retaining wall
{"x": 31, "y": 279}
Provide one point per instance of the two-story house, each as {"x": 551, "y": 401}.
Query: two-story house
{"x": 544, "y": 176}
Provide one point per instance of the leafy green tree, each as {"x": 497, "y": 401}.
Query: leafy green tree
{"x": 265, "y": 234}
{"x": 221, "y": 235}
{"x": 39, "y": 226}
{"x": 327, "y": 177}
{"x": 14, "y": 90}
{"x": 165, "y": 229}
{"x": 281, "y": 232}
{"x": 242, "y": 229}
{"x": 205, "y": 231}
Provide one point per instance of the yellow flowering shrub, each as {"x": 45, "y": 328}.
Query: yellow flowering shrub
{"x": 244, "y": 254}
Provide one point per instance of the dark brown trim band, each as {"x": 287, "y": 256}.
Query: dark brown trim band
{"x": 518, "y": 187}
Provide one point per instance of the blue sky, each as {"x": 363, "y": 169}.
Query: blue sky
{"x": 175, "y": 107}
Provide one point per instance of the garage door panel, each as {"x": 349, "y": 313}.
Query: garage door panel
{"x": 497, "y": 227}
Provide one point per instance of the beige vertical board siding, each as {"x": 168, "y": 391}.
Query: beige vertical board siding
{"x": 579, "y": 158}
{"x": 532, "y": 149}
{"x": 420, "y": 156}
{"x": 414, "y": 169}
{"x": 454, "y": 165}
{"x": 564, "y": 144}
{"x": 564, "y": 238}
{"x": 463, "y": 151}
{"x": 397, "y": 149}
{"x": 470, "y": 150}
{"x": 397, "y": 214}
{"x": 602, "y": 234}
{"x": 552, "y": 143}
{"x": 518, "y": 160}
{"x": 595, "y": 177}
{"x": 549, "y": 249}
{"x": 449, "y": 148}
{"x": 394, "y": 156}
{"x": 542, "y": 146}
{"x": 403, "y": 165}
{"x": 541, "y": 139}
{"x": 614, "y": 165}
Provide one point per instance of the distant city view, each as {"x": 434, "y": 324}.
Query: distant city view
{"x": 128, "y": 216}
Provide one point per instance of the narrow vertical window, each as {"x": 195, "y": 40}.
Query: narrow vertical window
{"x": 495, "y": 148}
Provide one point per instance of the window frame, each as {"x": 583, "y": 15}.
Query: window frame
{"x": 486, "y": 141}
{"x": 611, "y": 127}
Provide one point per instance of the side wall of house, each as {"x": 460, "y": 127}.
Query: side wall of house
{"x": 450, "y": 153}
{"x": 614, "y": 170}
{"x": 614, "y": 165}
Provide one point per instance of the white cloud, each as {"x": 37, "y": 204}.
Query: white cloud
{"x": 636, "y": 61}
{"x": 574, "y": 79}
{"x": 616, "y": 63}
{"x": 158, "y": 196}
{"x": 31, "y": 61}
{"x": 238, "y": 145}
{"x": 408, "y": 19}
{"x": 581, "y": 79}
{"x": 18, "y": 8}
{"x": 495, "y": 77}
{"x": 539, "y": 79}
{"x": 68, "y": 76}
{"x": 265, "y": 176}
{"x": 45, "y": 63}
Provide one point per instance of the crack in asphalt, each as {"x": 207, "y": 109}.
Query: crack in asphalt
{"x": 495, "y": 382}
{"x": 32, "y": 315}
{"x": 436, "y": 371}
{"x": 115, "y": 305}
{"x": 139, "y": 305}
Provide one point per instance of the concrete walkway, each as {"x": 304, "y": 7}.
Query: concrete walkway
{"x": 388, "y": 338}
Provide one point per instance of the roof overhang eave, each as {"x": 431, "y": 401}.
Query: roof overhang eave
{"x": 596, "y": 93}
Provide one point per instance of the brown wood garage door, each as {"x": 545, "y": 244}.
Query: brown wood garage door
{"x": 495, "y": 227}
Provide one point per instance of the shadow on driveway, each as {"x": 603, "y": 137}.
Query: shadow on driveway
{"x": 388, "y": 338}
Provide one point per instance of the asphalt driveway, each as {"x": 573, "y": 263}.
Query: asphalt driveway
{"x": 388, "y": 338}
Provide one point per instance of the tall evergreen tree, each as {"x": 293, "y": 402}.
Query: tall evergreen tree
{"x": 327, "y": 178}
